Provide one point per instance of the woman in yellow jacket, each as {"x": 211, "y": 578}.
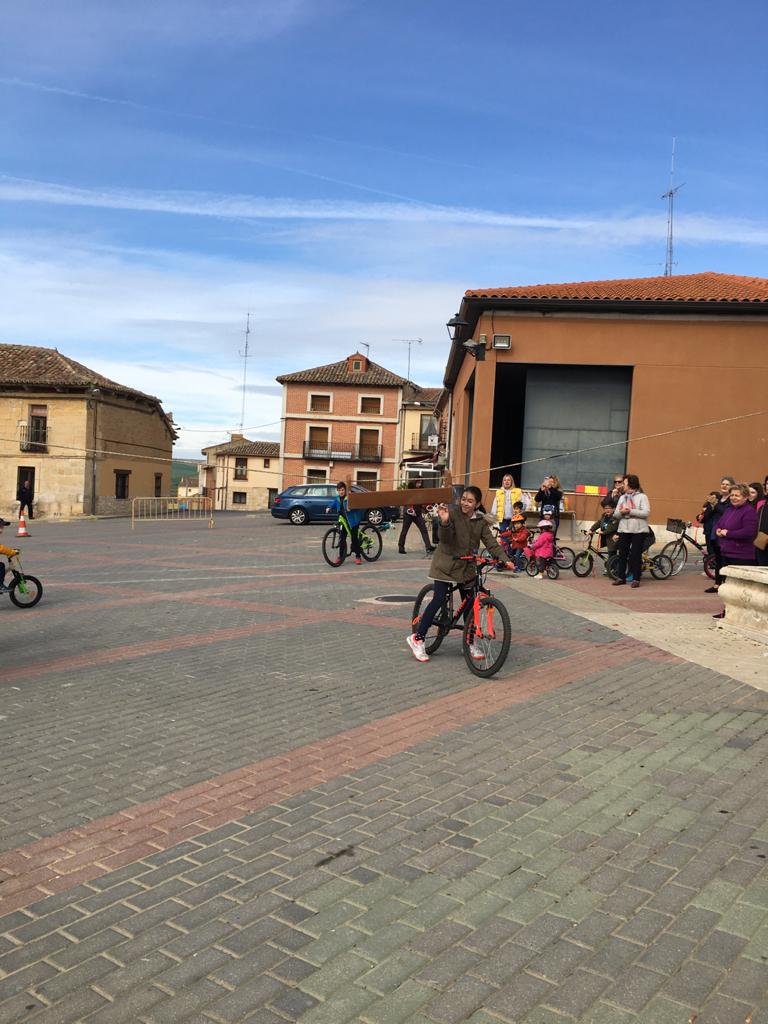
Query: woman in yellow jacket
{"x": 506, "y": 496}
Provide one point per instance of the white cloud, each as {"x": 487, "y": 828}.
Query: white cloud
{"x": 627, "y": 229}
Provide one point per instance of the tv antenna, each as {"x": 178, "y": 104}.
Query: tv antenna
{"x": 669, "y": 195}
{"x": 409, "y": 342}
{"x": 245, "y": 357}
{"x": 367, "y": 348}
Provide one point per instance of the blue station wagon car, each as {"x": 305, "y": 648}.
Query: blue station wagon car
{"x": 306, "y": 503}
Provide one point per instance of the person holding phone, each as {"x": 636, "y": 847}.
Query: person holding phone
{"x": 549, "y": 497}
{"x": 462, "y": 531}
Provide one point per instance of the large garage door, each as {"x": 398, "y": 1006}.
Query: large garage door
{"x": 572, "y": 407}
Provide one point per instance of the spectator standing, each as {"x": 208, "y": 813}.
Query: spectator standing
{"x": 756, "y": 494}
{"x": 705, "y": 517}
{"x": 616, "y": 489}
{"x": 25, "y": 497}
{"x": 632, "y": 511}
{"x": 762, "y": 527}
{"x": 506, "y": 496}
{"x": 736, "y": 531}
{"x": 549, "y": 496}
{"x": 414, "y": 515}
{"x": 723, "y": 502}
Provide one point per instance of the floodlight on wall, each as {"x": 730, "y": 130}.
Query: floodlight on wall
{"x": 502, "y": 341}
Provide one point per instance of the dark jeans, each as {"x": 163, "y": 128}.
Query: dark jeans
{"x": 629, "y": 555}
{"x": 355, "y": 543}
{"x": 28, "y": 506}
{"x": 442, "y": 590}
{"x": 408, "y": 522}
{"x": 762, "y": 556}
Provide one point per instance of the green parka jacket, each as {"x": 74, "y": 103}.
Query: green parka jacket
{"x": 462, "y": 535}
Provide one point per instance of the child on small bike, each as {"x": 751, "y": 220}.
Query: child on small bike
{"x": 352, "y": 518}
{"x": 543, "y": 546}
{"x": 462, "y": 531}
{"x": 606, "y": 526}
{"x": 9, "y": 553}
{"x": 517, "y": 541}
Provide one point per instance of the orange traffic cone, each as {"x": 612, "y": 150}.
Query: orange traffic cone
{"x": 22, "y": 530}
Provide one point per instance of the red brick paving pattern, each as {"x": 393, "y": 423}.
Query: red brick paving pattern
{"x": 67, "y": 859}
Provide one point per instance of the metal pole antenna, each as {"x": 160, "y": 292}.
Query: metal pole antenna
{"x": 669, "y": 195}
{"x": 409, "y": 342}
{"x": 245, "y": 368}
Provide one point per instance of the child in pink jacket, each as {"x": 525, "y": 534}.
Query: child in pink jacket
{"x": 543, "y": 547}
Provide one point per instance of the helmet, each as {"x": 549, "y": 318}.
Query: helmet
{"x": 518, "y": 519}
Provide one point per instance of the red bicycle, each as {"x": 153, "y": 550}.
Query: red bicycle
{"x": 487, "y": 630}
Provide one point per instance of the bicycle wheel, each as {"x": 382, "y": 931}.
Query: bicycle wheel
{"x": 553, "y": 570}
{"x": 661, "y": 567}
{"x": 564, "y": 557}
{"x": 370, "y": 542}
{"x": 493, "y": 643}
{"x": 611, "y": 564}
{"x": 523, "y": 563}
{"x": 709, "y": 566}
{"x": 26, "y": 592}
{"x": 583, "y": 564}
{"x": 332, "y": 552}
{"x": 532, "y": 567}
{"x": 677, "y": 553}
{"x": 440, "y": 624}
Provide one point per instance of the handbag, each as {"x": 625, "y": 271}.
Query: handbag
{"x": 761, "y": 541}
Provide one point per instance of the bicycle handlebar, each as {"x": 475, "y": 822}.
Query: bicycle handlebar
{"x": 481, "y": 561}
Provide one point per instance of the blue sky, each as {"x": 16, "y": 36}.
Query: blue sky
{"x": 345, "y": 169}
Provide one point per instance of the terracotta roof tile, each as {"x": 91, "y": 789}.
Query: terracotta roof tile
{"x": 261, "y": 449}
{"x": 339, "y": 373}
{"x": 706, "y": 287}
{"x": 34, "y": 366}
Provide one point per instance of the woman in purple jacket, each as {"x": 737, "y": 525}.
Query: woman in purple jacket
{"x": 736, "y": 531}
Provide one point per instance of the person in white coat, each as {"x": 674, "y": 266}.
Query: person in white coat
{"x": 632, "y": 512}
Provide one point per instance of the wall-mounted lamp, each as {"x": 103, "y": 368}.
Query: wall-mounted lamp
{"x": 502, "y": 341}
{"x": 454, "y": 325}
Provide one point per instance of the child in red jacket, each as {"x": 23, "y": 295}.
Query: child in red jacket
{"x": 516, "y": 540}
{"x": 543, "y": 547}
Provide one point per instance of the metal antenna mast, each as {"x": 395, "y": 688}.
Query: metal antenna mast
{"x": 245, "y": 357}
{"x": 669, "y": 195}
{"x": 367, "y": 348}
{"x": 409, "y": 342}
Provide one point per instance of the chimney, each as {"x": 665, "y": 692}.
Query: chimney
{"x": 236, "y": 437}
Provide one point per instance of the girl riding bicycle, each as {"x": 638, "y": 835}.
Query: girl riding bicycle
{"x": 461, "y": 532}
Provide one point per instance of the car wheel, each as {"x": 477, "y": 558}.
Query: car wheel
{"x": 298, "y": 516}
{"x": 375, "y": 517}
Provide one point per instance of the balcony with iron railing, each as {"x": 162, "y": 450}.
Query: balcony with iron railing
{"x": 333, "y": 452}
{"x": 33, "y": 437}
{"x": 420, "y": 442}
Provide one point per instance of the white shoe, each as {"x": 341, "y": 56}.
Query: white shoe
{"x": 475, "y": 652}
{"x": 417, "y": 646}
{"x": 540, "y": 576}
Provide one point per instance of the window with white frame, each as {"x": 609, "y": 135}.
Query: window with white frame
{"x": 370, "y": 405}
{"x": 320, "y": 402}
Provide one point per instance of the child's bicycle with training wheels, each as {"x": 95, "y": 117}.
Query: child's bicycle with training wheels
{"x": 584, "y": 563}
{"x": 24, "y": 591}
{"x": 551, "y": 569}
{"x": 677, "y": 552}
{"x": 487, "y": 628}
{"x": 369, "y": 536}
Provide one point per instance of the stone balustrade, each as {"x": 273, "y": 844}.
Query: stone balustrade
{"x": 744, "y": 592}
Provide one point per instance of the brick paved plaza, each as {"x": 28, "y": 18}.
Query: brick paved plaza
{"x": 231, "y": 794}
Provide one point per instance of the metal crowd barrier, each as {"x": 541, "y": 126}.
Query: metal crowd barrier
{"x": 197, "y": 507}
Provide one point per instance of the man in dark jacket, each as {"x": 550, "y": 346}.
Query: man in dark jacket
{"x": 25, "y": 497}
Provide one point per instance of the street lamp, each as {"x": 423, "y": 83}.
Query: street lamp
{"x": 455, "y": 325}
{"x": 474, "y": 348}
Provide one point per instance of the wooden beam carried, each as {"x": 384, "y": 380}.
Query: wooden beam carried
{"x": 410, "y": 496}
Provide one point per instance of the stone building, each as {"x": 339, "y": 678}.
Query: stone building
{"x": 88, "y": 444}
{"x": 241, "y": 475}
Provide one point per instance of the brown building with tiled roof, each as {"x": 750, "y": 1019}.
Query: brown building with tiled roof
{"x": 342, "y": 420}
{"x": 241, "y": 475}
{"x": 591, "y": 378}
{"x": 85, "y": 443}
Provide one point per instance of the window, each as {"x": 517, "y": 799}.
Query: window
{"x": 368, "y": 443}
{"x": 319, "y": 403}
{"x": 316, "y": 476}
{"x": 158, "y": 485}
{"x": 370, "y": 481}
{"x": 318, "y": 442}
{"x": 357, "y": 365}
{"x": 34, "y": 434}
{"x": 238, "y": 497}
{"x": 370, "y": 404}
{"x": 121, "y": 482}
{"x": 266, "y": 463}
{"x": 241, "y": 469}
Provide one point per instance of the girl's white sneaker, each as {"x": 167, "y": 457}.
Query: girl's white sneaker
{"x": 417, "y": 646}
